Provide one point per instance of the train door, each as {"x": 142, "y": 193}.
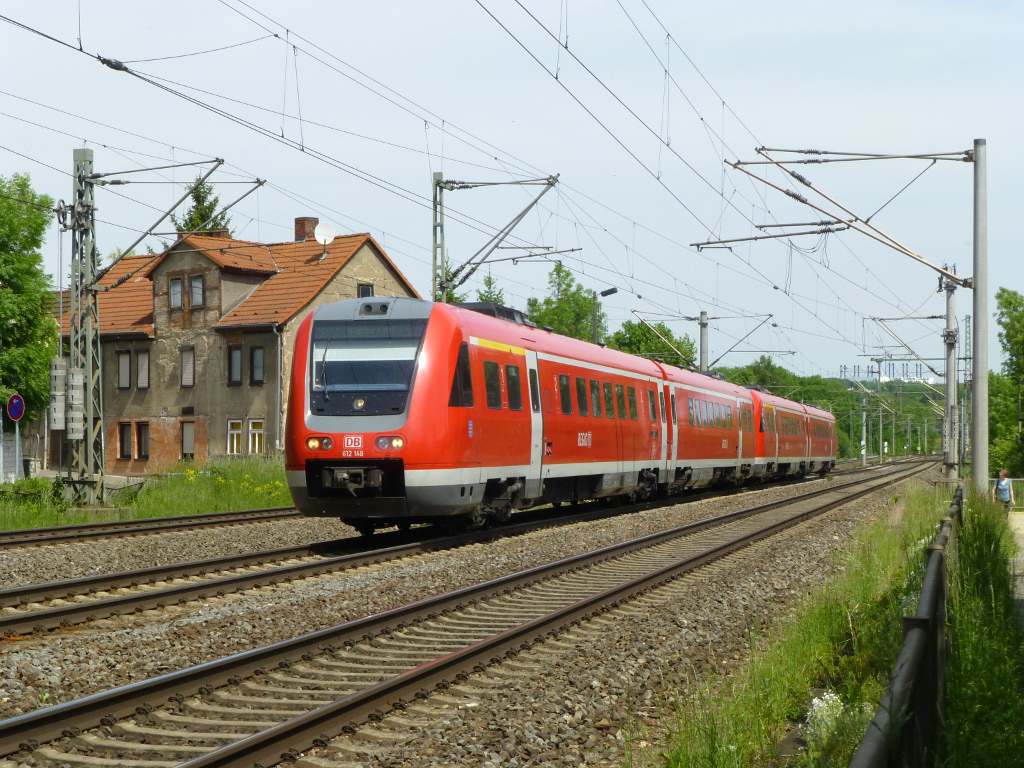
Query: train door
{"x": 737, "y": 425}
{"x": 534, "y": 482}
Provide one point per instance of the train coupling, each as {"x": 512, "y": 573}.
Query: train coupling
{"x": 352, "y": 479}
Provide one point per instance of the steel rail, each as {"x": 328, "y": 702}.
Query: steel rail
{"x": 310, "y": 729}
{"x": 29, "y": 730}
{"x": 20, "y": 537}
{"x": 42, "y": 619}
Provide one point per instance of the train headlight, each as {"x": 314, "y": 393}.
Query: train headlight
{"x": 319, "y": 443}
{"x": 389, "y": 443}
{"x": 358, "y": 404}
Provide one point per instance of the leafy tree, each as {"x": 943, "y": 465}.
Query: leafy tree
{"x": 204, "y": 205}
{"x": 1006, "y": 441}
{"x": 568, "y": 308}
{"x": 28, "y": 330}
{"x": 491, "y": 291}
{"x": 640, "y": 339}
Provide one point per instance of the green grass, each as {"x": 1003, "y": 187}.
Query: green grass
{"x": 220, "y": 485}
{"x": 985, "y": 704}
{"x": 842, "y": 646}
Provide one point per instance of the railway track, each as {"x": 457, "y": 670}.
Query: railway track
{"x": 63, "y": 534}
{"x": 47, "y": 606}
{"x": 266, "y": 705}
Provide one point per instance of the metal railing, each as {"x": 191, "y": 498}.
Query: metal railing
{"x": 906, "y": 727}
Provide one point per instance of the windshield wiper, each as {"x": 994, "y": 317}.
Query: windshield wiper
{"x": 323, "y": 370}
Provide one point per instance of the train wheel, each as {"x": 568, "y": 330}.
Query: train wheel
{"x": 475, "y": 520}
{"x": 499, "y": 516}
{"x": 404, "y": 525}
{"x": 365, "y": 527}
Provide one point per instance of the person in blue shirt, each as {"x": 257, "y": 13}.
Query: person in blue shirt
{"x": 1002, "y": 491}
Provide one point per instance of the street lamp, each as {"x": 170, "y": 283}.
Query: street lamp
{"x": 605, "y": 292}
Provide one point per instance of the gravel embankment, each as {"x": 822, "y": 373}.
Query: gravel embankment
{"x": 601, "y": 676}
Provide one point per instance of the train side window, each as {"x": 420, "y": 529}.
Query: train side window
{"x": 719, "y": 416}
{"x": 620, "y": 400}
{"x": 515, "y": 388}
{"x": 534, "y": 391}
{"x": 565, "y": 393}
{"x": 692, "y": 407}
{"x": 664, "y": 415}
{"x": 673, "y": 407}
{"x": 728, "y": 416}
{"x": 581, "y": 396}
{"x": 652, "y": 404}
{"x": 609, "y": 401}
{"x": 632, "y": 403}
{"x": 595, "y": 397}
{"x": 462, "y": 382}
{"x": 492, "y": 384}
{"x": 701, "y": 413}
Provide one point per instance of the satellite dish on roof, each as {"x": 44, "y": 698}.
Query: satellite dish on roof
{"x": 323, "y": 234}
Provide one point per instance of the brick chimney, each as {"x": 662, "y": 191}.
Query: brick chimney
{"x": 304, "y": 226}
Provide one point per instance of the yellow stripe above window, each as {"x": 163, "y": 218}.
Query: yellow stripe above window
{"x": 501, "y": 347}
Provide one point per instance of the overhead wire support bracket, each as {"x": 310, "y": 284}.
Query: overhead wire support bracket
{"x": 689, "y": 361}
{"x": 906, "y": 346}
{"x": 781, "y": 235}
{"x": 445, "y": 281}
{"x": 854, "y": 221}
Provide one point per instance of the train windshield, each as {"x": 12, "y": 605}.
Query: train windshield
{"x": 364, "y": 367}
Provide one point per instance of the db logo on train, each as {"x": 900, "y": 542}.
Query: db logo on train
{"x": 353, "y": 441}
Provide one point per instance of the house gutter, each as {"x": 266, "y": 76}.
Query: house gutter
{"x": 277, "y": 417}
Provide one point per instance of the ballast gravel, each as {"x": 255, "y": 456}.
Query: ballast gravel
{"x": 594, "y": 696}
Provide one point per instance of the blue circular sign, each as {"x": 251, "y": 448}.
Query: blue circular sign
{"x": 15, "y": 407}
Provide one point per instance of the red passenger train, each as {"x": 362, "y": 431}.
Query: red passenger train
{"x": 403, "y": 410}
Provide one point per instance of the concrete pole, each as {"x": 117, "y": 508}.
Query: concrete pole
{"x": 593, "y": 322}
{"x": 703, "y": 341}
{"x": 949, "y": 419}
{"x": 863, "y": 433}
{"x": 979, "y": 364}
{"x": 881, "y": 431}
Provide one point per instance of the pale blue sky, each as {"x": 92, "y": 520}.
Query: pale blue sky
{"x": 453, "y": 91}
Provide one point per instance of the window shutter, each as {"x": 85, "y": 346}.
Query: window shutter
{"x": 142, "y": 370}
{"x": 188, "y": 367}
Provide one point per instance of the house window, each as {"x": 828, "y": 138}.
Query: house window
{"x": 188, "y": 439}
{"x": 124, "y": 369}
{"x": 234, "y": 437}
{"x": 195, "y": 296}
{"x": 188, "y": 366}
{"x": 142, "y": 369}
{"x": 174, "y": 293}
{"x": 142, "y": 440}
{"x": 124, "y": 440}
{"x": 256, "y": 436}
{"x": 256, "y": 365}
{"x": 364, "y": 290}
{"x": 234, "y": 366}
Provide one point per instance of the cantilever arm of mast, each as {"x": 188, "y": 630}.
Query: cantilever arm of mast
{"x": 851, "y": 220}
{"x": 904, "y": 344}
{"x": 643, "y": 320}
{"x": 473, "y": 262}
{"x": 256, "y": 184}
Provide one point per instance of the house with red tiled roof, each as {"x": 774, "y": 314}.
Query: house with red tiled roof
{"x": 197, "y": 341}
